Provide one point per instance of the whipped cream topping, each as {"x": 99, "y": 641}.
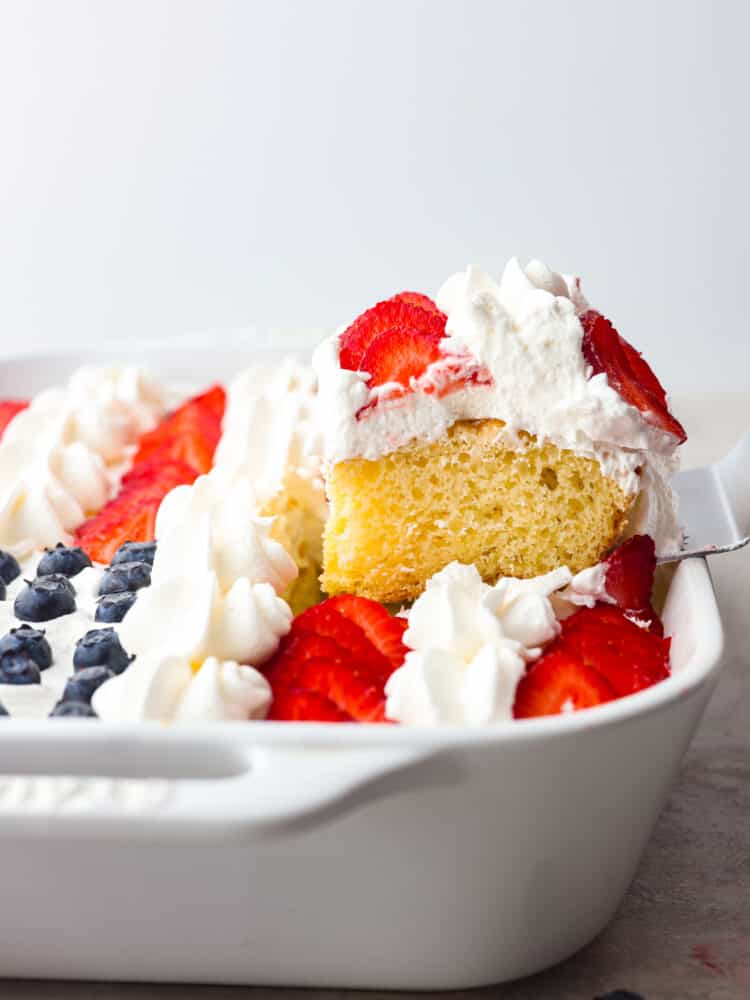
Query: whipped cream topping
{"x": 469, "y": 644}
{"x": 271, "y": 428}
{"x": 61, "y": 458}
{"x": 166, "y": 688}
{"x": 210, "y": 527}
{"x": 524, "y": 332}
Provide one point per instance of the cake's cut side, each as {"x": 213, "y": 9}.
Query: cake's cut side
{"x": 396, "y": 521}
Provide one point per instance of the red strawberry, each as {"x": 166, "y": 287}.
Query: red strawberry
{"x": 630, "y": 578}
{"x": 356, "y": 339}
{"x": 304, "y": 706}
{"x": 418, "y": 299}
{"x": 556, "y": 681}
{"x": 294, "y": 650}
{"x": 131, "y": 515}
{"x": 400, "y": 354}
{"x": 603, "y": 638}
{"x": 383, "y": 630}
{"x": 158, "y": 474}
{"x": 627, "y": 372}
{"x": 189, "y": 434}
{"x": 214, "y": 400}
{"x": 328, "y": 664}
{"x": 8, "y": 409}
{"x": 325, "y": 620}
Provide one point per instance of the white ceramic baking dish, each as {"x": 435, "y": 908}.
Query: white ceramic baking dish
{"x": 343, "y": 856}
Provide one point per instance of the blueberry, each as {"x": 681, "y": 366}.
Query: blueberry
{"x": 72, "y": 710}
{"x": 125, "y": 576}
{"x": 101, "y": 647}
{"x": 60, "y": 579}
{"x": 31, "y": 641}
{"x": 134, "y": 552}
{"x": 3, "y": 591}
{"x": 114, "y": 607}
{"x": 19, "y": 668}
{"x": 9, "y": 568}
{"x": 4, "y": 713}
{"x": 81, "y": 686}
{"x": 45, "y": 598}
{"x": 62, "y": 560}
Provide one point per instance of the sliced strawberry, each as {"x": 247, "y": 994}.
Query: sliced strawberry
{"x": 559, "y": 682}
{"x": 158, "y": 474}
{"x": 330, "y": 658}
{"x": 349, "y": 687}
{"x": 400, "y": 354}
{"x": 383, "y": 630}
{"x": 324, "y": 620}
{"x": 418, "y": 299}
{"x": 189, "y": 434}
{"x": 131, "y": 515}
{"x": 629, "y": 579}
{"x": 304, "y": 706}
{"x": 603, "y": 638}
{"x": 127, "y": 518}
{"x": 214, "y": 400}
{"x": 627, "y": 372}
{"x": 283, "y": 670}
{"x": 356, "y": 339}
{"x": 8, "y": 409}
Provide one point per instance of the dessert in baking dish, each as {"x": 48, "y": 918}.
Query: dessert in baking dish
{"x": 495, "y": 465}
{"x": 509, "y": 426}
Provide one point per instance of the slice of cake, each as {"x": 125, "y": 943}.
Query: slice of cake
{"x": 508, "y": 426}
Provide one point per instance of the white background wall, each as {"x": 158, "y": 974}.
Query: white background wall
{"x": 176, "y": 166}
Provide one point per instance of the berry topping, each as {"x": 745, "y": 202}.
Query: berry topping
{"x": 334, "y": 663}
{"x": 63, "y": 560}
{"x": 3, "y": 591}
{"x": 384, "y": 631}
{"x": 630, "y": 658}
{"x": 19, "y": 668}
{"x": 114, "y": 607}
{"x": 418, "y": 299}
{"x": 72, "y": 710}
{"x": 4, "y": 713}
{"x": 396, "y": 312}
{"x": 9, "y": 568}
{"x": 131, "y": 515}
{"x": 8, "y": 409}
{"x": 30, "y": 641}
{"x": 629, "y": 579}
{"x": 125, "y": 576}
{"x": 559, "y": 682}
{"x": 627, "y": 372}
{"x": 188, "y": 435}
{"x": 81, "y": 686}
{"x": 135, "y": 552}
{"x": 101, "y": 647}
{"x": 45, "y": 598}
{"x": 399, "y": 355}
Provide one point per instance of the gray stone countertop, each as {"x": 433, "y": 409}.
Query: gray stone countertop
{"x": 683, "y": 931}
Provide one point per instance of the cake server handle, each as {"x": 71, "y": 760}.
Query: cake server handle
{"x": 101, "y": 785}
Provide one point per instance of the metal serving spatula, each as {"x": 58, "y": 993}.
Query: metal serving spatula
{"x": 715, "y": 505}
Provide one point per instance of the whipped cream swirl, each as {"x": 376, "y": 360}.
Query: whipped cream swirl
{"x": 469, "y": 645}
{"x": 167, "y": 688}
{"x": 61, "y": 458}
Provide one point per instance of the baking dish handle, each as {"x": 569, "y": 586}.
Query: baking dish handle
{"x": 263, "y": 790}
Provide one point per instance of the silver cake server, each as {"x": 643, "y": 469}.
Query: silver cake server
{"x": 714, "y": 505}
